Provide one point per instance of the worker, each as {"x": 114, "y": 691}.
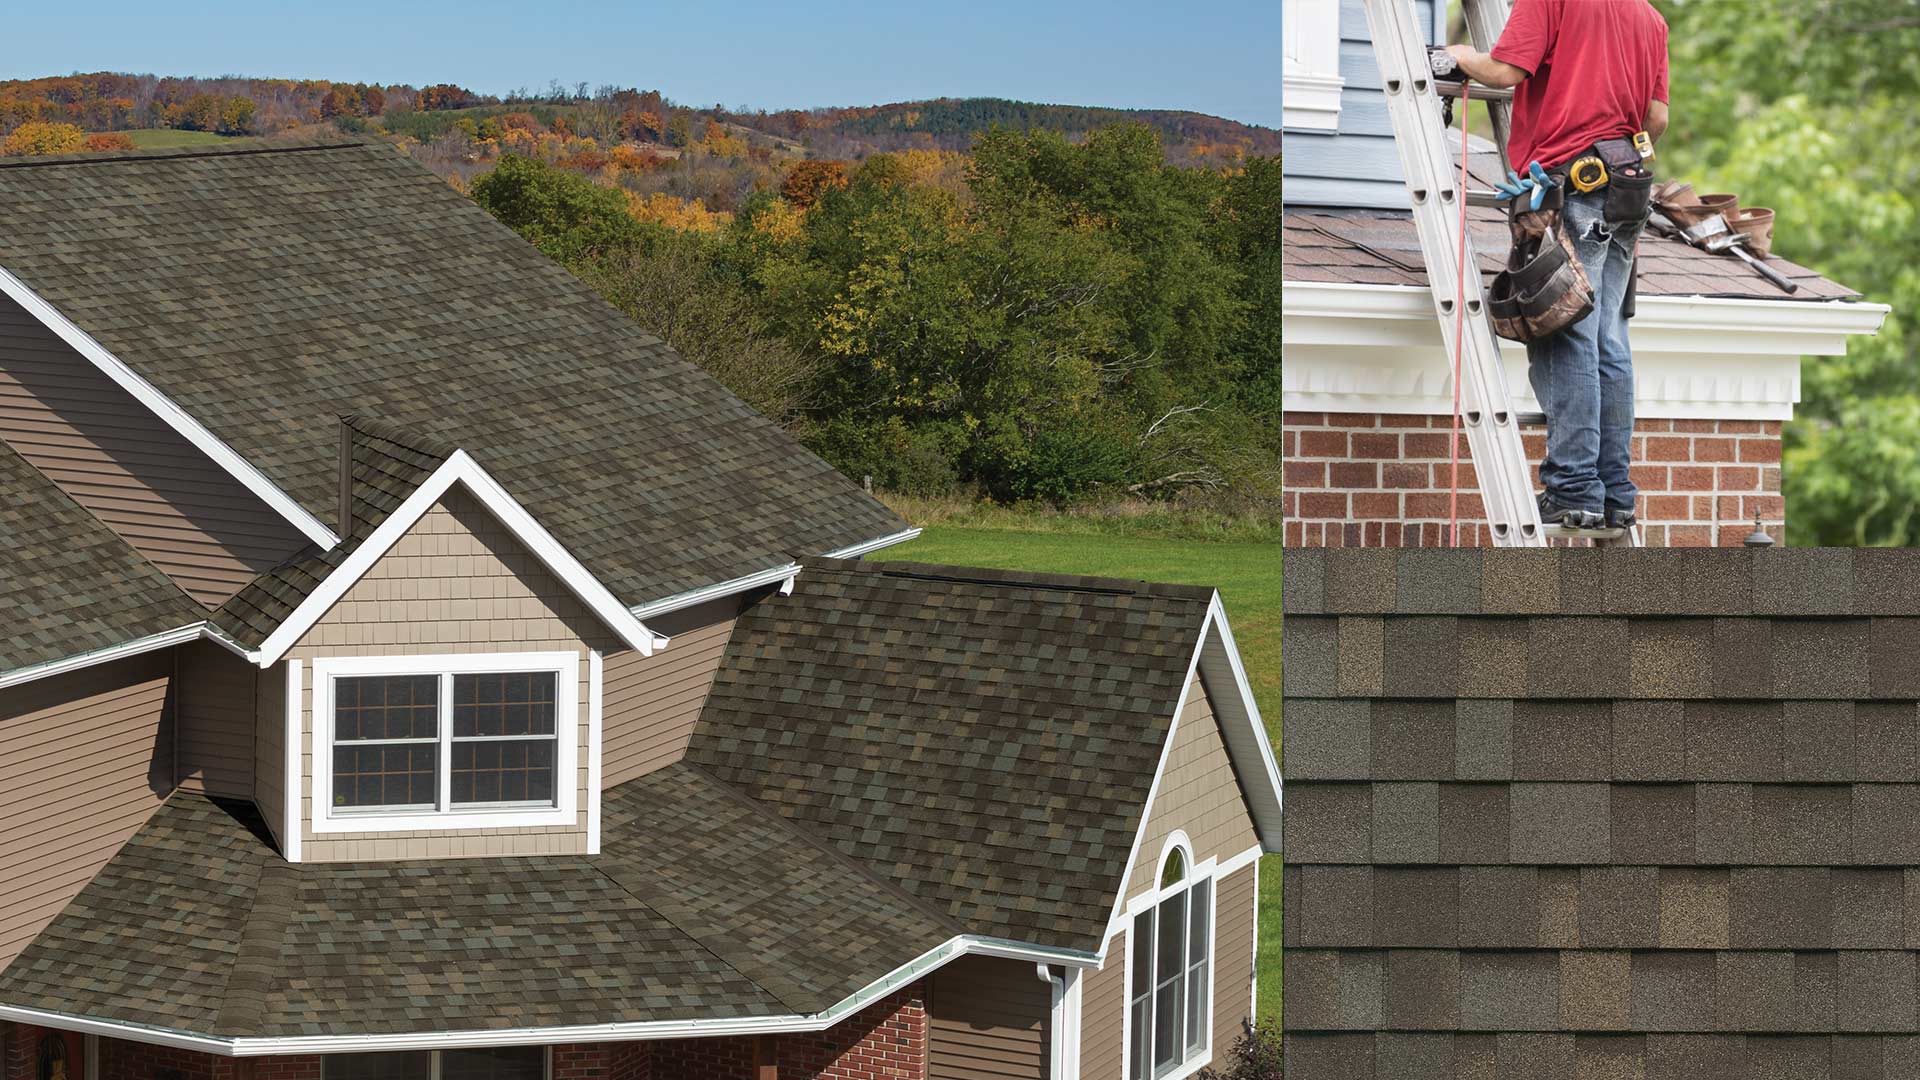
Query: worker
{"x": 1591, "y": 75}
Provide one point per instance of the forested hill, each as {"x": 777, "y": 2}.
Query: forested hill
{"x": 103, "y": 102}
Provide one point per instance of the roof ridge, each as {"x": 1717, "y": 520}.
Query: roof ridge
{"x": 256, "y": 963}
{"x": 394, "y": 433}
{"x": 980, "y": 575}
{"x": 108, "y": 157}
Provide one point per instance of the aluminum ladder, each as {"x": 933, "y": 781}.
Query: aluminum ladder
{"x": 1433, "y": 185}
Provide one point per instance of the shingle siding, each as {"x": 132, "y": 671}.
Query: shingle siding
{"x": 1678, "y": 843}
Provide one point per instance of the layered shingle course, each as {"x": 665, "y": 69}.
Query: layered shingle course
{"x": 1637, "y": 813}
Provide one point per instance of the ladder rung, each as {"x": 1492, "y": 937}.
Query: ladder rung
{"x": 1530, "y": 419}
{"x": 1563, "y": 532}
{"x": 1448, "y": 88}
{"x": 1484, "y": 198}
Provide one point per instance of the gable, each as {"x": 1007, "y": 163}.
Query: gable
{"x": 1199, "y": 795}
{"x": 112, "y": 455}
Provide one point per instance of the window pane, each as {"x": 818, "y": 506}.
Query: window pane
{"x": 397, "y": 1065}
{"x": 513, "y": 703}
{"x": 386, "y": 707}
{"x": 502, "y": 1063}
{"x": 1142, "y": 954}
{"x": 1175, "y": 869}
{"x": 1167, "y": 1046}
{"x": 383, "y": 774}
{"x": 514, "y": 770}
{"x": 1196, "y": 1006}
{"x": 1173, "y": 925}
{"x": 1197, "y": 923}
{"x": 1142, "y": 1035}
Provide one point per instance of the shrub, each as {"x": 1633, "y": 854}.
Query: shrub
{"x": 109, "y": 140}
{"x": 1255, "y": 1056}
{"x": 917, "y": 460}
{"x": 40, "y": 137}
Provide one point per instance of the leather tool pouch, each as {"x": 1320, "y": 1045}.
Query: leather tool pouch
{"x": 1629, "y": 182}
{"x": 1544, "y": 289}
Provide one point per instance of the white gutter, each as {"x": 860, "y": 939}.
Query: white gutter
{"x": 764, "y": 577}
{"x": 169, "y": 413}
{"x": 963, "y": 945}
{"x": 77, "y": 661}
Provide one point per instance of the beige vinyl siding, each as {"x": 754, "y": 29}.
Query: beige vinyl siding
{"x": 270, "y": 748}
{"x": 653, "y": 702}
{"x": 116, "y": 458}
{"x": 214, "y": 720}
{"x": 1233, "y": 928}
{"x": 84, "y": 761}
{"x": 1198, "y": 794}
{"x": 987, "y": 1020}
{"x": 457, "y": 582}
{"x": 1103, "y": 1013}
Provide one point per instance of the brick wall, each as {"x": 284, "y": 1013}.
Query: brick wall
{"x": 1371, "y": 480}
{"x": 885, "y": 1041}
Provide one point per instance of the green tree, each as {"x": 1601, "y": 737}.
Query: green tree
{"x": 564, "y": 214}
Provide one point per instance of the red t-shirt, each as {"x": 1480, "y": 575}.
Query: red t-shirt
{"x": 1595, "y": 66}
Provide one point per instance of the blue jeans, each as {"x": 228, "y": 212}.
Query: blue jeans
{"x": 1583, "y": 375}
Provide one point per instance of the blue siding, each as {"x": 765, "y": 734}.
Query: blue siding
{"x": 1356, "y": 166}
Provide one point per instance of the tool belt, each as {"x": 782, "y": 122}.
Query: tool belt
{"x": 1627, "y": 180}
{"x": 1544, "y": 289}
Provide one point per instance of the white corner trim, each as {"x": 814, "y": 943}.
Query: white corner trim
{"x": 1310, "y": 81}
{"x": 1310, "y": 101}
{"x": 784, "y": 573}
{"x": 565, "y": 809}
{"x": 460, "y": 468}
{"x": 596, "y": 678}
{"x": 229, "y": 1046}
{"x": 125, "y": 649}
{"x": 1379, "y": 349}
{"x": 169, "y": 413}
{"x": 294, "y": 780}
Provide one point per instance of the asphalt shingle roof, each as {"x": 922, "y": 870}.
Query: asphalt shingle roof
{"x": 68, "y": 583}
{"x": 986, "y": 739}
{"x": 269, "y": 291}
{"x": 701, "y": 905}
{"x": 1602, "y": 812}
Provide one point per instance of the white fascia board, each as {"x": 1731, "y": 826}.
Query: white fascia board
{"x": 150, "y": 643}
{"x": 1379, "y": 349}
{"x": 169, "y": 413}
{"x": 782, "y": 573}
{"x": 460, "y": 468}
{"x": 953, "y": 948}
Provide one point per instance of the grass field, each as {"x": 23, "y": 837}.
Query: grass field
{"x": 169, "y": 138}
{"x": 1248, "y": 577}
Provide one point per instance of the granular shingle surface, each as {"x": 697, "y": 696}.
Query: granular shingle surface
{"x": 268, "y": 292}
{"x": 1685, "y": 845}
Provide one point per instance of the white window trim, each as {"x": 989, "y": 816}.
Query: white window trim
{"x": 1310, "y": 82}
{"x": 433, "y": 1061}
{"x": 1208, "y": 871}
{"x": 565, "y": 665}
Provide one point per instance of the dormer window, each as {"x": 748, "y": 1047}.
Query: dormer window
{"x": 437, "y": 742}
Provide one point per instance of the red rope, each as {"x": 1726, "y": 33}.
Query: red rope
{"x": 1459, "y": 323}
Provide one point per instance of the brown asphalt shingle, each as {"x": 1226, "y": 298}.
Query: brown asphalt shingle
{"x": 268, "y": 292}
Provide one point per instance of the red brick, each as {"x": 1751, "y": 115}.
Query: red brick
{"x": 1303, "y": 419}
{"x": 1769, "y": 479}
{"x": 1770, "y": 427}
{"x": 1737, "y": 477}
{"x": 1304, "y": 474}
{"x": 1690, "y": 536}
{"x": 1355, "y": 474}
{"x": 1434, "y": 505}
{"x": 1741, "y": 427}
{"x": 1352, "y": 420}
{"x": 1402, "y": 420}
{"x": 1668, "y": 448}
{"x": 1536, "y": 446}
{"x": 1762, "y": 449}
{"x": 1657, "y": 424}
{"x": 1293, "y": 535}
{"x": 1726, "y": 508}
{"x": 1376, "y": 504}
{"x": 1400, "y": 474}
{"x": 1323, "y": 444}
{"x": 1649, "y": 477}
{"x": 1697, "y": 426}
{"x": 1323, "y": 504}
{"x": 1434, "y": 444}
{"x": 1767, "y": 507}
{"x": 1289, "y": 504}
{"x": 1691, "y": 478}
{"x": 1375, "y": 445}
{"x": 1351, "y": 535}
{"x": 1713, "y": 449}
{"x": 1666, "y": 507}
{"x": 1288, "y": 441}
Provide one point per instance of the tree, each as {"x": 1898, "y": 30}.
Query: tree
{"x": 41, "y": 137}
{"x": 236, "y": 116}
{"x": 110, "y": 140}
{"x": 563, "y": 214}
{"x": 809, "y": 179}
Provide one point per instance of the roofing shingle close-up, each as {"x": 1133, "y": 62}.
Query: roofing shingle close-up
{"x": 268, "y": 292}
{"x": 1642, "y": 813}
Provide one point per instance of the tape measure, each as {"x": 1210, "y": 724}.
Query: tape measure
{"x": 1643, "y": 142}
{"x": 1587, "y": 174}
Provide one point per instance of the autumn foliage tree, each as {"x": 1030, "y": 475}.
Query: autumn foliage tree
{"x": 41, "y": 137}
{"x": 808, "y": 180}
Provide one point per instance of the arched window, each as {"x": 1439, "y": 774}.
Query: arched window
{"x": 1169, "y": 990}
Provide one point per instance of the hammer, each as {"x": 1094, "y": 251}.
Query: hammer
{"x": 1713, "y": 236}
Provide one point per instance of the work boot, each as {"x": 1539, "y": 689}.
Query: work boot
{"x": 1554, "y": 512}
{"x": 1618, "y": 518}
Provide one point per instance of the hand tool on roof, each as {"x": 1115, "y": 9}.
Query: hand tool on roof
{"x": 1714, "y": 236}
{"x": 1437, "y": 189}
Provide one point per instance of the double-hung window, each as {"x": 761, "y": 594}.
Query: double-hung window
{"x": 436, "y": 742}
{"x": 492, "y": 1063}
{"x": 1169, "y": 992}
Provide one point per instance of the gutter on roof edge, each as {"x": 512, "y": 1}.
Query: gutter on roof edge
{"x": 764, "y": 577}
{"x": 244, "y": 1046}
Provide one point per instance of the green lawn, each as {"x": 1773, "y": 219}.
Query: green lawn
{"x": 170, "y": 138}
{"x": 1248, "y": 577}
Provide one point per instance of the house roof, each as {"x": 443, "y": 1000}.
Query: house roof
{"x": 266, "y": 292}
{"x": 986, "y": 739}
{"x": 1666, "y": 794}
{"x": 70, "y": 584}
{"x": 1380, "y": 247}
{"x": 700, "y": 906}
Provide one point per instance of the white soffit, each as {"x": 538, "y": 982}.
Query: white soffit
{"x": 169, "y": 413}
{"x": 1379, "y": 348}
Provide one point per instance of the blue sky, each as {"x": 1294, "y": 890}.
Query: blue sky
{"x": 1221, "y": 58}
